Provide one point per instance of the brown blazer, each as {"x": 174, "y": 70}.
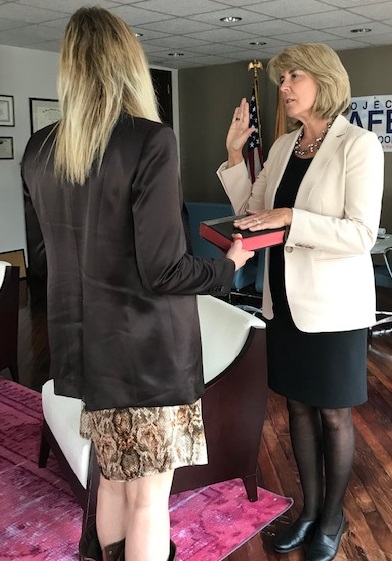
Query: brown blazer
{"x": 122, "y": 314}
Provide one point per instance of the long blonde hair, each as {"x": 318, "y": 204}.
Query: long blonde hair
{"x": 103, "y": 72}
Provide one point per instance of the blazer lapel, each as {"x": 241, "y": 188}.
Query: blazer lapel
{"x": 326, "y": 152}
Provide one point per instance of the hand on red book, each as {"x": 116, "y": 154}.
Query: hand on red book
{"x": 221, "y": 232}
{"x": 262, "y": 220}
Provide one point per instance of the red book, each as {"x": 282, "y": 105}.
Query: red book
{"x": 220, "y": 232}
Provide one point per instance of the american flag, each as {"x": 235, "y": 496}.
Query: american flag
{"x": 255, "y": 155}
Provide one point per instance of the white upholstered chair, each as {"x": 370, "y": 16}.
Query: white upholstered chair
{"x": 9, "y": 311}
{"x": 235, "y": 374}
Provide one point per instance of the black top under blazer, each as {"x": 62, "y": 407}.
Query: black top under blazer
{"x": 122, "y": 312}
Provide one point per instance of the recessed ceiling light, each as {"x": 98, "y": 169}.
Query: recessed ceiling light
{"x": 176, "y": 54}
{"x": 361, "y": 30}
{"x": 257, "y": 43}
{"x": 230, "y": 19}
{"x": 138, "y": 34}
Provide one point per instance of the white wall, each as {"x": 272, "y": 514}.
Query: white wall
{"x": 26, "y": 73}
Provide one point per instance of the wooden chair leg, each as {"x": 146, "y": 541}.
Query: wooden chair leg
{"x": 259, "y": 477}
{"x": 92, "y": 491}
{"x": 14, "y": 372}
{"x": 250, "y": 483}
{"x": 43, "y": 450}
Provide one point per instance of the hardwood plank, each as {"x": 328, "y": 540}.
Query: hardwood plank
{"x": 378, "y": 441}
{"x": 290, "y": 483}
{"x": 375, "y": 479}
{"x": 361, "y": 494}
{"x": 359, "y": 542}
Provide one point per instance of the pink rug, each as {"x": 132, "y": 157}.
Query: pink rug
{"x": 41, "y": 521}
{"x": 212, "y": 522}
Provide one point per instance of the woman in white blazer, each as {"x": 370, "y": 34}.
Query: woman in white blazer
{"x": 324, "y": 182}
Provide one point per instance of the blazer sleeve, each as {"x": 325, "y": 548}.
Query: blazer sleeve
{"x": 161, "y": 250}
{"x": 35, "y": 240}
{"x": 354, "y": 232}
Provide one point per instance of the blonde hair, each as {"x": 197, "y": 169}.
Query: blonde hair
{"x": 103, "y": 72}
{"x": 323, "y": 64}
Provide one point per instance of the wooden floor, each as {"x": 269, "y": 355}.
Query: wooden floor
{"x": 368, "y": 504}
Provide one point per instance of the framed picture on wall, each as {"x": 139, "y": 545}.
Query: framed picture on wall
{"x": 7, "y": 117}
{"x": 43, "y": 112}
{"x": 6, "y": 148}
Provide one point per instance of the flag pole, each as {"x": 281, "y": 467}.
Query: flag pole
{"x": 254, "y": 155}
{"x": 256, "y": 65}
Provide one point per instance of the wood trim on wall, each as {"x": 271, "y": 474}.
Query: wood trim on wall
{"x": 17, "y": 259}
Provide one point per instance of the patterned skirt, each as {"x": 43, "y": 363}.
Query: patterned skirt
{"x": 139, "y": 441}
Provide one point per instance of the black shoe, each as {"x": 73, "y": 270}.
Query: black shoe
{"x": 173, "y": 552}
{"x": 323, "y": 547}
{"x": 298, "y": 534}
{"x": 89, "y": 547}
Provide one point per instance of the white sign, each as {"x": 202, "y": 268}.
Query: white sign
{"x": 375, "y": 114}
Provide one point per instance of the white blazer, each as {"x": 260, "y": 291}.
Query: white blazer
{"x": 328, "y": 268}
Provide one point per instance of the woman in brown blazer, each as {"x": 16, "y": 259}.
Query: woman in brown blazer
{"x": 123, "y": 325}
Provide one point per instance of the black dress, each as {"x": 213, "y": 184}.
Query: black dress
{"x": 319, "y": 369}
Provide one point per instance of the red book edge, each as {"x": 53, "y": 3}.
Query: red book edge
{"x": 264, "y": 239}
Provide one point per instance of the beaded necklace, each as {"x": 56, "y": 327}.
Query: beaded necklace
{"x": 313, "y": 146}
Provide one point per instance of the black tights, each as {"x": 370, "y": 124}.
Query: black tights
{"x": 322, "y": 438}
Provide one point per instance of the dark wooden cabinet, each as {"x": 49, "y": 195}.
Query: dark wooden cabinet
{"x": 162, "y": 80}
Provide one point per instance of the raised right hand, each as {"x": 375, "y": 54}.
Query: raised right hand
{"x": 237, "y": 254}
{"x": 239, "y": 130}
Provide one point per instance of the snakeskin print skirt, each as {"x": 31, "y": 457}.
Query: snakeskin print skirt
{"x": 140, "y": 441}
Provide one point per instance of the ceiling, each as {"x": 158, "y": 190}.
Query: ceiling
{"x": 193, "y": 27}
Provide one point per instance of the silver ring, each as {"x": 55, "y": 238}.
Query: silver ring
{"x": 257, "y": 221}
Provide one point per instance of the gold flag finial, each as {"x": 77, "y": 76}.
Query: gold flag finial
{"x": 255, "y": 65}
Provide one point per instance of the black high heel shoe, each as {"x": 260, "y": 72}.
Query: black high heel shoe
{"x": 298, "y": 534}
{"x": 324, "y": 547}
